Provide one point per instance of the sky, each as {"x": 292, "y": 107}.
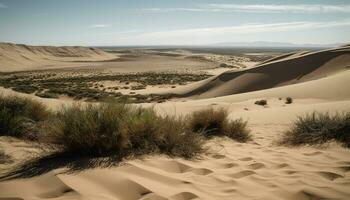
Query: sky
{"x": 173, "y": 22}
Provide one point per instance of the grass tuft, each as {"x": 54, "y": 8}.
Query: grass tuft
{"x": 215, "y": 123}
{"x": 120, "y": 130}
{"x": 116, "y": 129}
{"x": 151, "y": 133}
{"x": 89, "y": 130}
{"x": 21, "y": 117}
{"x": 237, "y": 130}
{"x": 319, "y": 128}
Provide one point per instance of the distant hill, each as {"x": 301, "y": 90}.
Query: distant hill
{"x": 15, "y": 57}
{"x": 271, "y": 44}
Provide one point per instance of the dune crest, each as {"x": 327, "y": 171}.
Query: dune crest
{"x": 283, "y": 70}
{"x": 16, "y": 57}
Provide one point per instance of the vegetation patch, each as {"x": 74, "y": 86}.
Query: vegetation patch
{"x": 21, "y": 117}
{"x": 262, "y": 102}
{"x": 47, "y": 95}
{"x": 115, "y": 129}
{"x": 319, "y": 128}
{"x": 212, "y": 122}
{"x": 289, "y": 100}
{"x": 121, "y": 130}
{"x": 83, "y": 86}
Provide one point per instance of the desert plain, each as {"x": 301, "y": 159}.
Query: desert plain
{"x": 177, "y": 81}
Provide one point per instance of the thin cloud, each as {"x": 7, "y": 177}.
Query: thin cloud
{"x": 120, "y": 32}
{"x": 2, "y": 5}
{"x": 247, "y": 28}
{"x": 272, "y": 8}
{"x": 100, "y": 25}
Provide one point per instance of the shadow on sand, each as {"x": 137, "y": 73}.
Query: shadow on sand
{"x": 41, "y": 165}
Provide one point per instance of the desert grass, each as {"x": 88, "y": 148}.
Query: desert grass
{"x": 151, "y": 133}
{"x": 88, "y": 130}
{"x": 21, "y": 117}
{"x": 4, "y": 158}
{"x": 84, "y": 85}
{"x": 120, "y": 130}
{"x": 319, "y": 128}
{"x": 213, "y": 122}
{"x": 116, "y": 129}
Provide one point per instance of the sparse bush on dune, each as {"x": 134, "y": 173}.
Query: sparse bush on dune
{"x": 116, "y": 129}
{"x": 177, "y": 139}
{"x": 262, "y": 102}
{"x": 215, "y": 123}
{"x": 21, "y": 117}
{"x": 120, "y": 130}
{"x": 237, "y": 130}
{"x": 89, "y": 130}
{"x": 152, "y": 133}
{"x": 289, "y": 100}
{"x": 319, "y": 128}
{"x": 143, "y": 127}
{"x": 210, "y": 121}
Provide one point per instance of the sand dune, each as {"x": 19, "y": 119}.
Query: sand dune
{"x": 16, "y": 57}
{"x": 259, "y": 169}
{"x": 284, "y": 70}
{"x": 229, "y": 170}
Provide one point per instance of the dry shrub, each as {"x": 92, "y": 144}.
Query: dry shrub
{"x": 262, "y": 102}
{"x": 20, "y": 117}
{"x": 319, "y": 128}
{"x": 121, "y": 130}
{"x": 215, "y": 123}
{"x": 89, "y": 130}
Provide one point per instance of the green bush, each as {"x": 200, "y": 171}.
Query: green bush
{"x": 215, "y": 123}
{"x": 319, "y": 128}
{"x": 115, "y": 129}
{"x": 151, "y": 133}
{"x": 210, "y": 122}
{"x": 21, "y": 116}
{"x": 121, "y": 130}
{"x": 90, "y": 130}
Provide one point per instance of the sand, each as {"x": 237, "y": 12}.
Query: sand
{"x": 15, "y": 57}
{"x": 284, "y": 70}
{"x": 259, "y": 169}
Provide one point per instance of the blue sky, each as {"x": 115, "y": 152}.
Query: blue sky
{"x": 180, "y": 22}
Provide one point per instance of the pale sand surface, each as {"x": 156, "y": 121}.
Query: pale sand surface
{"x": 256, "y": 170}
{"x": 259, "y": 169}
{"x": 15, "y": 57}
{"x": 295, "y": 68}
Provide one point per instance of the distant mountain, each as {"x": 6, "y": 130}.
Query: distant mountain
{"x": 270, "y": 44}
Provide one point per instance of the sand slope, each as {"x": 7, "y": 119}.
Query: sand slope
{"x": 229, "y": 170}
{"x": 16, "y": 57}
{"x": 284, "y": 70}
